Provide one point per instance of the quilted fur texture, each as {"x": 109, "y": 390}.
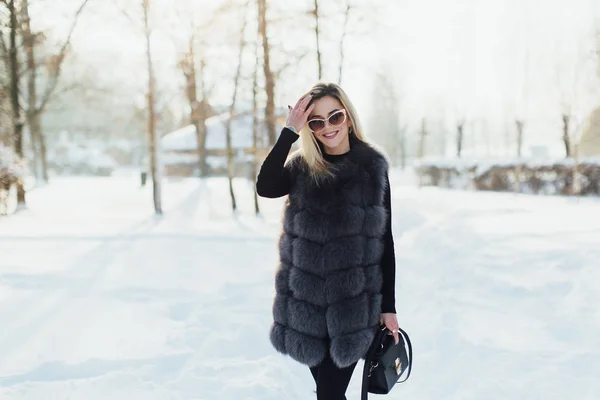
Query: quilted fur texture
{"x": 328, "y": 284}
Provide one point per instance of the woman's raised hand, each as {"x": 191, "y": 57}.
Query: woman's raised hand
{"x": 299, "y": 113}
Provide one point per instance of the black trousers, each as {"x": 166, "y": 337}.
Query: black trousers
{"x": 331, "y": 381}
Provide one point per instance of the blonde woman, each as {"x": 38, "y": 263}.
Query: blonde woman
{"x": 336, "y": 276}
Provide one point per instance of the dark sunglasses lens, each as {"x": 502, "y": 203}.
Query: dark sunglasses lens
{"x": 316, "y": 125}
{"x": 336, "y": 118}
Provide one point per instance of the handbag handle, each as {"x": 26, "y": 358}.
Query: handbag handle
{"x": 410, "y": 353}
{"x": 372, "y": 350}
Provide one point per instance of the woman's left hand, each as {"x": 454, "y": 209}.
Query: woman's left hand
{"x": 391, "y": 322}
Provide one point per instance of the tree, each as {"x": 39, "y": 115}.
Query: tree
{"x": 269, "y": 77}
{"x": 459, "y": 137}
{"x": 198, "y": 108}
{"x": 53, "y": 68}
{"x": 154, "y": 171}
{"x": 230, "y": 155}
{"x": 385, "y": 119}
{"x": 421, "y": 151}
{"x": 14, "y": 71}
{"x": 5, "y": 101}
{"x": 255, "y": 120}
{"x": 342, "y": 40}
{"x": 315, "y": 13}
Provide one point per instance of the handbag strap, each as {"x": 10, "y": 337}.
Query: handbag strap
{"x": 410, "y": 353}
{"x": 372, "y": 350}
{"x": 365, "y": 379}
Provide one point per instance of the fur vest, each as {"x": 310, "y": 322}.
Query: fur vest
{"x": 328, "y": 284}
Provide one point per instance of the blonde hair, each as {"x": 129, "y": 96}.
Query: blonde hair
{"x": 310, "y": 150}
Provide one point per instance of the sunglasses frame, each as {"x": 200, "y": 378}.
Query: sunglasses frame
{"x": 326, "y": 121}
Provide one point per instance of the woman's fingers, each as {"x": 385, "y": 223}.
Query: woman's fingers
{"x": 301, "y": 103}
{"x": 305, "y": 102}
{"x": 309, "y": 109}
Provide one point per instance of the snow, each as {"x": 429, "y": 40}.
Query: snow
{"x": 10, "y": 164}
{"x": 101, "y": 299}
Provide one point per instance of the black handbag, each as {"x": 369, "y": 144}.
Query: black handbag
{"x": 385, "y": 362}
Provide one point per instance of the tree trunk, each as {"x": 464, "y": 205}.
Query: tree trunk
{"x": 520, "y": 125}
{"x": 507, "y": 139}
{"x": 344, "y": 32}
{"x": 43, "y": 149}
{"x": 269, "y": 78}
{"x": 32, "y": 114}
{"x": 422, "y": 135}
{"x": 576, "y": 177}
{"x": 188, "y": 65}
{"x": 459, "y": 138}
{"x": 319, "y": 63}
{"x": 255, "y": 125}
{"x": 403, "y": 148}
{"x": 36, "y": 162}
{"x": 35, "y": 106}
{"x": 37, "y": 137}
{"x": 203, "y": 115}
{"x": 14, "y": 95}
{"x": 566, "y": 137}
{"x": 154, "y": 172}
{"x": 238, "y": 73}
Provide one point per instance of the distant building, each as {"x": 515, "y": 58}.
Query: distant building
{"x": 180, "y": 148}
{"x": 589, "y": 145}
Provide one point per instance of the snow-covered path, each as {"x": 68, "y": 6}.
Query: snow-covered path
{"x": 100, "y": 299}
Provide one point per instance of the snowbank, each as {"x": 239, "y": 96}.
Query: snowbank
{"x": 525, "y": 175}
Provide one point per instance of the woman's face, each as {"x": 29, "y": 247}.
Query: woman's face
{"x": 334, "y": 138}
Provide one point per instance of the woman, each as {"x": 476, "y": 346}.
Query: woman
{"x": 335, "y": 281}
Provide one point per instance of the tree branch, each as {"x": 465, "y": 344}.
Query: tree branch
{"x": 53, "y": 81}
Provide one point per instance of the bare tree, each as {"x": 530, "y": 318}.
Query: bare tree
{"x": 459, "y": 137}
{"x": 198, "y": 108}
{"x": 238, "y": 73}
{"x": 384, "y": 120}
{"x": 269, "y": 77}
{"x": 315, "y": 13}
{"x": 566, "y": 137}
{"x": 577, "y": 90}
{"x": 17, "y": 120}
{"x": 421, "y": 151}
{"x": 5, "y": 102}
{"x": 520, "y": 125}
{"x": 35, "y": 109}
{"x": 343, "y": 38}
{"x": 255, "y": 120}
{"x": 154, "y": 172}
{"x": 521, "y": 41}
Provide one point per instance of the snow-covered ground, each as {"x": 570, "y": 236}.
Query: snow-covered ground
{"x": 99, "y": 299}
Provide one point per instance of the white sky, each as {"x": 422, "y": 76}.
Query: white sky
{"x": 449, "y": 58}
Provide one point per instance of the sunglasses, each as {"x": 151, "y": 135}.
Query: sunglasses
{"x": 335, "y": 119}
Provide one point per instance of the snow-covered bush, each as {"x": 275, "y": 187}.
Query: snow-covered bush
{"x": 12, "y": 168}
{"x": 525, "y": 175}
{"x": 81, "y": 160}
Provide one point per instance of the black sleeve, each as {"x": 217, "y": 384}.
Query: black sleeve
{"x": 388, "y": 260}
{"x": 274, "y": 179}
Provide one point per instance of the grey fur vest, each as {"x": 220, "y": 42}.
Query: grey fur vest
{"x": 328, "y": 284}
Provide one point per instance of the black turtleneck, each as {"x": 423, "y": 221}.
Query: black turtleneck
{"x": 274, "y": 181}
